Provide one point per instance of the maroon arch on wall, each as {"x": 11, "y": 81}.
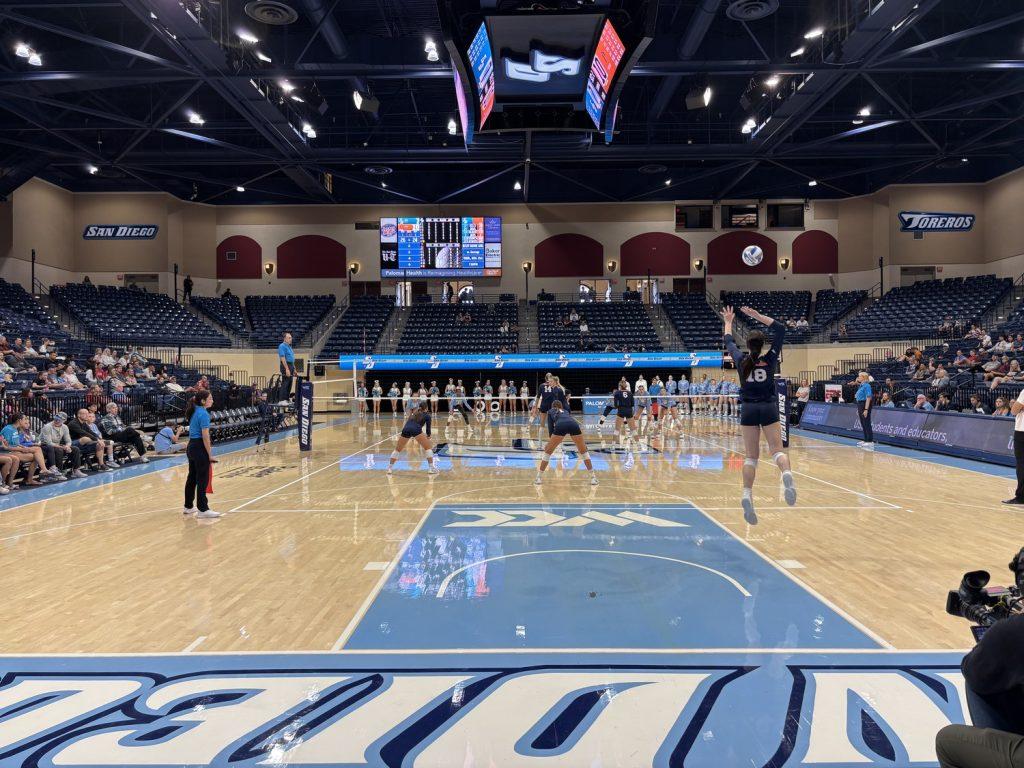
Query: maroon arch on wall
{"x": 248, "y": 262}
{"x": 725, "y": 254}
{"x": 569, "y": 255}
{"x": 815, "y": 253}
{"x": 311, "y": 256}
{"x": 659, "y": 253}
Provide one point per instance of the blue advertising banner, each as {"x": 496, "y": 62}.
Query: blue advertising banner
{"x": 782, "y": 395}
{"x": 551, "y": 360}
{"x": 306, "y": 416}
{"x": 593, "y": 404}
{"x": 958, "y": 434}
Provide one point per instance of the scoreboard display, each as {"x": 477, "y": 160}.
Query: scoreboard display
{"x": 440, "y": 246}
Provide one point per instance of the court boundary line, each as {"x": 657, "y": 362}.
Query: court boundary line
{"x": 482, "y": 651}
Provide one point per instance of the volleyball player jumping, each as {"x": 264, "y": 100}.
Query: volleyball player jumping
{"x": 760, "y": 411}
{"x": 560, "y": 425}
{"x": 413, "y": 430}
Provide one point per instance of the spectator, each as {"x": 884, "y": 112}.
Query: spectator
{"x": 167, "y": 440}
{"x": 1002, "y": 346}
{"x": 960, "y": 361}
{"x": 886, "y": 401}
{"x": 803, "y": 395}
{"x": 940, "y": 380}
{"x": 584, "y": 328}
{"x": 116, "y": 430}
{"x": 921, "y": 374}
{"x": 10, "y": 440}
{"x": 186, "y": 288}
{"x": 996, "y": 367}
{"x": 922, "y": 404}
{"x": 1001, "y": 409}
{"x": 1013, "y": 373}
{"x": 86, "y": 441}
{"x": 574, "y": 316}
{"x": 55, "y": 439}
{"x": 977, "y": 406}
{"x": 943, "y": 403}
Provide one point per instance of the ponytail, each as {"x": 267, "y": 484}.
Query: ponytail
{"x": 197, "y": 400}
{"x": 755, "y": 343}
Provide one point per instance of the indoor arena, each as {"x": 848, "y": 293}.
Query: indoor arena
{"x": 512, "y": 383}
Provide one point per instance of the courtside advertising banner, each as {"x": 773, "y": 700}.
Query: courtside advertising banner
{"x": 306, "y": 416}
{"x": 527, "y": 361}
{"x": 958, "y": 434}
{"x": 782, "y": 395}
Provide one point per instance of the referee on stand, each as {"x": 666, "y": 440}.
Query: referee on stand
{"x": 864, "y": 399}
{"x": 287, "y": 359}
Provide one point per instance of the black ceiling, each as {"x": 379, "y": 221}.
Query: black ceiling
{"x": 943, "y": 79}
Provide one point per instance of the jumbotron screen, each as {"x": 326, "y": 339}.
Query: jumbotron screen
{"x": 440, "y": 246}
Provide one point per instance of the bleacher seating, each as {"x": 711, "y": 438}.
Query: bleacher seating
{"x": 359, "y": 329}
{"x": 918, "y": 310}
{"x": 226, "y": 310}
{"x": 694, "y": 320}
{"x": 831, "y": 305}
{"x": 271, "y": 316}
{"x": 434, "y": 328}
{"x": 623, "y": 325}
{"x": 21, "y": 315}
{"x": 780, "y": 305}
{"x": 124, "y": 315}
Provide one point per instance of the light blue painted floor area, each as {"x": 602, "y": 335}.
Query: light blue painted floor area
{"x": 591, "y": 576}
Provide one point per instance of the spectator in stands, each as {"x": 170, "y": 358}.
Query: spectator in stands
{"x": 55, "y": 440}
{"x": 148, "y": 373}
{"x": 186, "y": 288}
{"x": 227, "y": 293}
{"x": 922, "y": 404}
{"x": 921, "y": 374}
{"x": 95, "y": 396}
{"x": 996, "y": 367}
{"x": 1001, "y": 409}
{"x": 1002, "y": 346}
{"x": 87, "y": 441}
{"x": 286, "y": 359}
{"x": 172, "y": 386}
{"x": 29, "y": 350}
{"x": 978, "y": 406}
{"x": 119, "y": 432}
{"x": 802, "y": 324}
{"x": 943, "y": 403}
{"x": 71, "y": 376}
{"x": 10, "y": 440}
{"x": 1012, "y": 374}
{"x": 940, "y": 379}
{"x": 886, "y": 401}
{"x": 166, "y": 441}
{"x": 574, "y": 316}
{"x": 107, "y": 358}
{"x": 41, "y": 383}
{"x": 960, "y": 361}
{"x": 842, "y": 330}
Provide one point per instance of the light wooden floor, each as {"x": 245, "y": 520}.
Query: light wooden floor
{"x": 118, "y": 569}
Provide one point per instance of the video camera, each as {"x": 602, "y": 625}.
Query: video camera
{"x": 984, "y": 606}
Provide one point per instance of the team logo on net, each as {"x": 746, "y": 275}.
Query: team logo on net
{"x": 918, "y": 221}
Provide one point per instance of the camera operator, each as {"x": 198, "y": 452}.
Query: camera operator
{"x": 994, "y": 674}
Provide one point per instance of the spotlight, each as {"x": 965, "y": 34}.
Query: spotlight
{"x": 798, "y": 52}
{"x": 668, "y": 182}
{"x": 239, "y": 189}
{"x": 384, "y": 185}
{"x": 286, "y": 86}
{"x": 35, "y": 60}
{"x": 22, "y": 51}
{"x": 247, "y": 37}
{"x": 195, "y": 118}
{"x": 772, "y": 81}
{"x": 92, "y": 170}
{"x": 865, "y": 112}
{"x": 452, "y": 127}
{"x": 311, "y": 134}
{"x": 430, "y": 48}
{"x": 748, "y": 126}
{"x": 517, "y": 186}
{"x": 816, "y": 32}
{"x": 263, "y": 57}
{"x": 858, "y": 122}
{"x": 698, "y": 98}
{"x": 812, "y": 183}
{"x": 365, "y": 103}
{"x": 298, "y": 99}
{"x": 963, "y": 160}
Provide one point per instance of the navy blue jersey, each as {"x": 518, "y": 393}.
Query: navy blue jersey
{"x": 623, "y": 399}
{"x": 759, "y": 386}
{"x": 560, "y": 421}
{"x": 549, "y": 393}
{"x": 415, "y": 424}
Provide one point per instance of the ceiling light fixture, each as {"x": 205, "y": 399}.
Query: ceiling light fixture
{"x": 668, "y": 182}
{"x": 35, "y": 60}
{"x": 816, "y": 32}
{"x": 517, "y": 186}
{"x": 452, "y": 127}
{"x": 858, "y": 122}
{"x": 748, "y": 126}
{"x": 92, "y": 170}
{"x": 195, "y": 118}
{"x": 298, "y": 99}
{"x": 247, "y": 37}
{"x": 864, "y": 112}
{"x": 239, "y": 189}
{"x": 430, "y": 48}
{"x": 812, "y": 183}
{"x": 22, "y": 51}
{"x": 263, "y": 57}
{"x": 286, "y": 86}
{"x": 798, "y": 52}
{"x": 772, "y": 81}
{"x": 707, "y": 96}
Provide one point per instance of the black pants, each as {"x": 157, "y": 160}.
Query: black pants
{"x": 1018, "y": 454}
{"x": 963, "y": 746}
{"x": 198, "y": 475}
{"x": 800, "y": 405}
{"x": 130, "y": 437}
{"x": 55, "y": 456}
{"x": 865, "y": 424}
{"x": 463, "y": 411}
{"x": 286, "y": 387}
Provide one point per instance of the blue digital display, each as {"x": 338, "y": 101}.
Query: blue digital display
{"x": 492, "y": 229}
{"x": 482, "y": 62}
{"x": 449, "y": 246}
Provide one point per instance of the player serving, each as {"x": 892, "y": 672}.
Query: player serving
{"x": 562, "y": 424}
{"x": 759, "y": 411}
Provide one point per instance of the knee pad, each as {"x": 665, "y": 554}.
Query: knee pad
{"x": 430, "y": 453}
{"x": 394, "y": 454}
{"x": 547, "y": 456}
{"x": 777, "y": 456}
{"x": 585, "y": 455}
{"x": 750, "y": 462}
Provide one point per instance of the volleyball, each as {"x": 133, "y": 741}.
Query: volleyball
{"x": 752, "y": 255}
